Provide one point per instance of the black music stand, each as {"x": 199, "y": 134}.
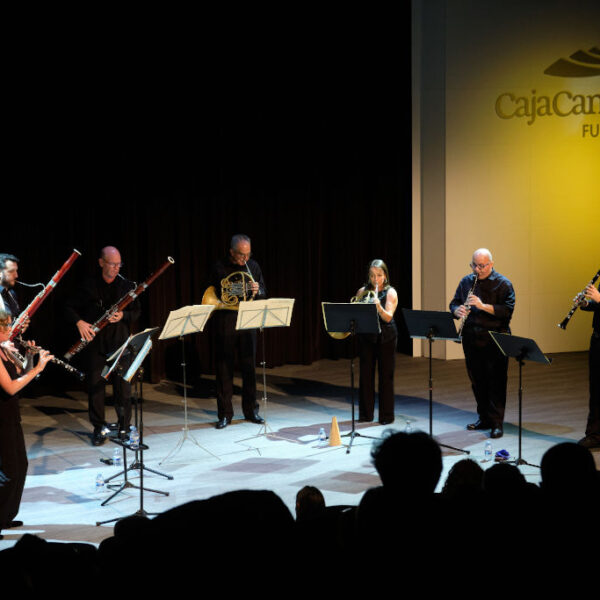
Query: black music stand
{"x": 189, "y": 319}
{"x": 353, "y": 318}
{"x": 432, "y": 325}
{"x": 137, "y": 347}
{"x": 521, "y": 349}
{"x": 261, "y": 314}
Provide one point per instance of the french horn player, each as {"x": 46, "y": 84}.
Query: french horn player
{"x": 236, "y": 277}
{"x": 378, "y": 350}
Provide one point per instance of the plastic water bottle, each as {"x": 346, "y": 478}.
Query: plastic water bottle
{"x": 322, "y": 436}
{"x": 408, "y": 428}
{"x": 134, "y": 438}
{"x": 117, "y": 457}
{"x": 487, "y": 451}
{"x": 99, "y": 482}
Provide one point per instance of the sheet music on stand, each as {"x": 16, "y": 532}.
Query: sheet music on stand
{"x": 180, "y": 322}
{"x": 263, "y": 314}
{"x": 188, "y": 319}
{"x": 138, "y": 342}
{"x": 259, "y": 314}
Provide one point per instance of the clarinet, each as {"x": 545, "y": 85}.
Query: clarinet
{"x": 129, "y": 297}
{"x": 466, "y": 305}
{"x": 578, "y": 301}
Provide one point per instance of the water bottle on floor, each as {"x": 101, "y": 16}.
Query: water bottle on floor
{"x": 487, "y": 451}
{"x": 99, "y": 482}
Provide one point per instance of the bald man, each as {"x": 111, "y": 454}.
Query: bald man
{"x": 489, "y": 307}
{"x": 94, "y": 297}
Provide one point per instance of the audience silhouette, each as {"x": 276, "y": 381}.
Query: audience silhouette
{"x": 406, "y": 528}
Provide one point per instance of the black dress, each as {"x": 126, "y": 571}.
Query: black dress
{"x": 13, "y": 453}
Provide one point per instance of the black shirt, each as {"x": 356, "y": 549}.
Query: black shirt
{"x": 496, "y": 290}
{"x": 93, "y": 298}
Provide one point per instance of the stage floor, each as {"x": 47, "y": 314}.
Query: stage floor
{"x": 60, "y": 502}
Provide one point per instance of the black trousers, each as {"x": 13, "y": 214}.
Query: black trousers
{"x": 593, "y": 422}
{"x": 13, "y": 462}
{"x": 96, "y": 387}
{"x": 487, "y": 368}
{"x": 228, "y": 342}
{"x": 383, "y": 357}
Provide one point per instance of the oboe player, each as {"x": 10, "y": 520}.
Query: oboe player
{"x": 488, "y": 308}
{"x": 96, "y": 295}
{"x": 592, "y": 430}
{"x": 13, "y": 453}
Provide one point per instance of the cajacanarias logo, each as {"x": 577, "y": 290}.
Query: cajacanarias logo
{"x": 579, "y": 64}
{"x": 561, "y": 104}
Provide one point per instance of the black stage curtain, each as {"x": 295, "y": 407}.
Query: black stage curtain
{"x": 308, "y": 156}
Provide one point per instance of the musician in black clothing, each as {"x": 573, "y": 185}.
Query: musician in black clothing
{"x": 9, "y": 273}
{"x": 228, "y": 340}
{"x": 94, "y": 297}
{"x": 488, "y": 308}
{"x": 378, "y": 350}
{"x": 13, "y": 453}
{"x": 592, "y": 430}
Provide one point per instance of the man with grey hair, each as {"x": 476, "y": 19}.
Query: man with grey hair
{"x": 486, "y": 300}
{"x": 238, "y": 263}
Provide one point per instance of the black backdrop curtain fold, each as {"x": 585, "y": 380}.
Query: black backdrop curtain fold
{"x": 313, "y": 164}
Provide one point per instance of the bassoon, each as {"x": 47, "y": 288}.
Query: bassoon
{"x": 129, "y": 297}
{"x": 17, "y": 326}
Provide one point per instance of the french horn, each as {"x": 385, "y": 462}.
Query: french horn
{"x": 234, "y": 288}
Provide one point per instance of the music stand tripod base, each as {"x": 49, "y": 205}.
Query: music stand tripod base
{"x": 432, "y": 325}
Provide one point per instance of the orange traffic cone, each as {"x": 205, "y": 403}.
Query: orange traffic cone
{"x": 334, "y": 434}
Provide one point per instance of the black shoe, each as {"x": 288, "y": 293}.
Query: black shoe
{"x": 386, "y": 422}
{"x": 479, "y": 424}
{"x": 590, "y": 441}
{"x": 256, "y": 418}
{"x": 98, "y": 439}
{"x": 222, "y": 423}
{"x": 14, "y": 524}
{"x": 496, "y": 432}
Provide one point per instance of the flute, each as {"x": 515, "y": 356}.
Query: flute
{"x": 21, "y": 361}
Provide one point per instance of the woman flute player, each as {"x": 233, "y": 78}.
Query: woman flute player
{"x": 378, "y": 350}
{"x": 13, "y": 454}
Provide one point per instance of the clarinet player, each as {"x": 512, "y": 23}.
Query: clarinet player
{"x": 592, "y": 430}
{"x": 485, "y": 306}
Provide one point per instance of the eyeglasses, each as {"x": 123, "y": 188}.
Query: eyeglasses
{"x": 112, "y": 264}
{"x": 481, "y": 267}
{"x": 242, "y": 254}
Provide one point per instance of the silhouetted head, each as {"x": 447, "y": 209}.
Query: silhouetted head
{"x": 309, "y": 503}
{"x": 464, "y": 478}
{"x": 410, "y": 463}
{"x": 504, "y": 479}
{"x": 568, "y": 469}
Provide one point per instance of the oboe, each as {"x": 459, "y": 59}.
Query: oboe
{"x": 578, "y": 301}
